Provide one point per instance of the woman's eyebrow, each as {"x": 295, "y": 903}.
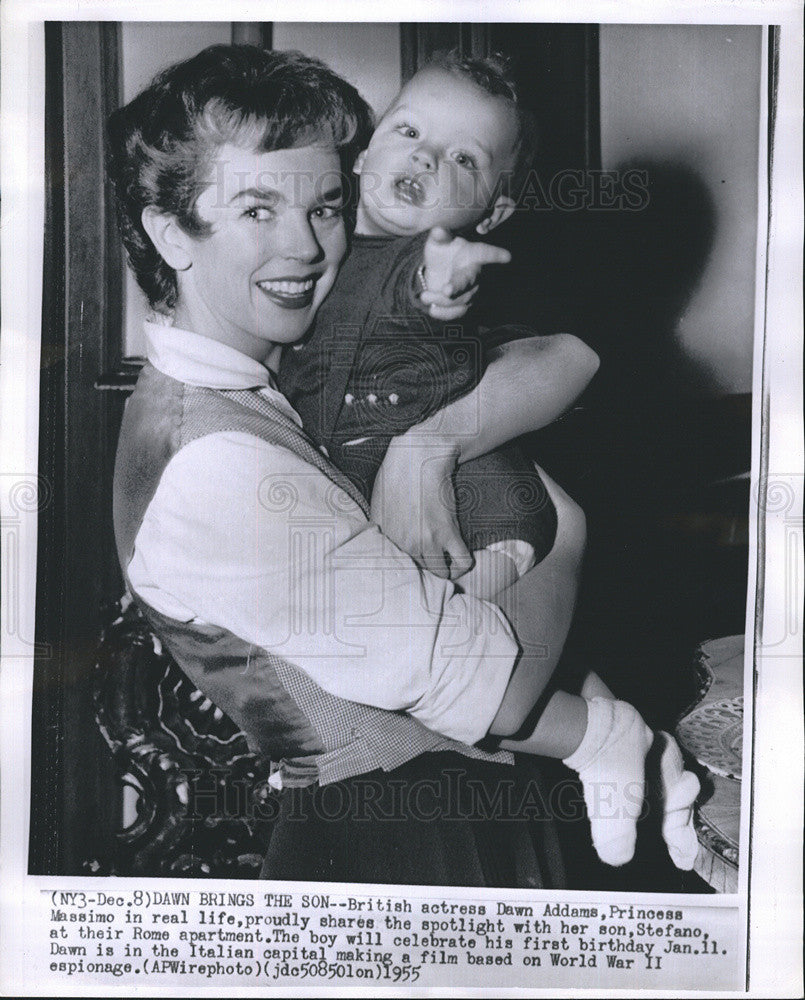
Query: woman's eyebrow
{"x": 261, "y": 193}
{"x": 334, "y": 194}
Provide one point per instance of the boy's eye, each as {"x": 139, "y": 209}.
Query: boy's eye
{"x": 464, "y": 160}
{"x": 259, "y": 213}
{"x": 408, "y": 131}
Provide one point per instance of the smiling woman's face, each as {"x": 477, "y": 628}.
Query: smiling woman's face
{"x": 276, "y": 244}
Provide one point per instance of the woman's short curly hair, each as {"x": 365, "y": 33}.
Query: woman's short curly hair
{"x": 162, "y": 144}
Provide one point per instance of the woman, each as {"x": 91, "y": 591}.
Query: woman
{"x": 250, "y": 555}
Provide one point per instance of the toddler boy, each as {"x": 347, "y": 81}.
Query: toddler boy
{"x": 445, "y": 160}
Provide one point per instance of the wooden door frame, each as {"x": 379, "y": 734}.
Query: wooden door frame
{"x": 555, "y": 66}
{"x": 72, "y": 810}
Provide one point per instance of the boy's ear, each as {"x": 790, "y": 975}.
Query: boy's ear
{"x": 171, "y": 241}
{"x": 501, "y": 210}
{"x": 359, "y": 162}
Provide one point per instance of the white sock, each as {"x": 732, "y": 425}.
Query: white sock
{"x": 678, "y": 789}
{"x": 610, "y": 761}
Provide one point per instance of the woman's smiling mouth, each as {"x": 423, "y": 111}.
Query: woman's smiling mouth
{"x": 290, "y": 292}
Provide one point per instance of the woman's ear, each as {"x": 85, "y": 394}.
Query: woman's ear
{"x": 359, "y": 162}
{"x": 501, "y": 210}
{"x": 171, "y": 241}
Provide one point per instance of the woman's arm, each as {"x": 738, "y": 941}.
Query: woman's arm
{"x": 250, "y": 538}
{"x": 527, "y": 385}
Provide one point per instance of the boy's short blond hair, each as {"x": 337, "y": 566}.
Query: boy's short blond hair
{"x": 493, "y": 74}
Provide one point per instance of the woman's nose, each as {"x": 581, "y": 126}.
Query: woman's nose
{"x": 424, "y": 158}
{"x": 300, "y": 241}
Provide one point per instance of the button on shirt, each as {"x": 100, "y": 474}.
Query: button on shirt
{"x": 248, "y": 536}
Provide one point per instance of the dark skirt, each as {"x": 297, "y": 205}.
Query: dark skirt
{"x": 441, "y": 819}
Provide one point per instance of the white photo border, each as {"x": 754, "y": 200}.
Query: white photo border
{"x": 771, "y": 881}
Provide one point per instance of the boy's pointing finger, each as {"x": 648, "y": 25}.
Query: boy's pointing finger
{"x": 485, "y": 253}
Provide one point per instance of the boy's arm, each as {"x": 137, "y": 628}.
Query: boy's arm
{"x": 527, "y": 385}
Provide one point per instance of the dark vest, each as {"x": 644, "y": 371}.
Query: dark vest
{"x": 314, "y": 735}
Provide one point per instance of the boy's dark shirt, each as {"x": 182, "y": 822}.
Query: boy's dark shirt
{"x": 374, "y": 365}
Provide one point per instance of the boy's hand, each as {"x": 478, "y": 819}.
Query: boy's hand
{"x": 413, "y": 502}
{"x": 451, "y": 268}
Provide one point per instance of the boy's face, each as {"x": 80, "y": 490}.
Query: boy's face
{"x": 277, "y": 242}
{"x": 436, "y": 157}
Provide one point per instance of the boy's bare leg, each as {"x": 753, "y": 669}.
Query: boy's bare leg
{"x": 540, "y": 605}
{"x": 604, "y": 740}
{"x": 559, "y": 730}
{"x": 594, "y": 687}
{"x": 491, "y": 573}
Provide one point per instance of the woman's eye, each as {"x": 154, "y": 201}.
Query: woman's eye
{"x": 408, "y": 131}
{"x": 327, "y": 212}
{"x": 259, "y": 213}
{"x": 464, "y": 160}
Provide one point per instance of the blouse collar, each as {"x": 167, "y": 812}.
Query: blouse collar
{"x": 202, "y": 361}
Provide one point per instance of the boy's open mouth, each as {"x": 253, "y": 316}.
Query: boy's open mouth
{"x": 290, "y": 292}
{"x": 409, "y": 190}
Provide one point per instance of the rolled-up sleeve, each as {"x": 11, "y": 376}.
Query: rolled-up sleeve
{"x": 249, "y": 537}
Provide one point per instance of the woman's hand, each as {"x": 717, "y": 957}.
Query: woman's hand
{"x": 414, "y": 503}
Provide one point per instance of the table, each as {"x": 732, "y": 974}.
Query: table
{"x": 711, "y": 730}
